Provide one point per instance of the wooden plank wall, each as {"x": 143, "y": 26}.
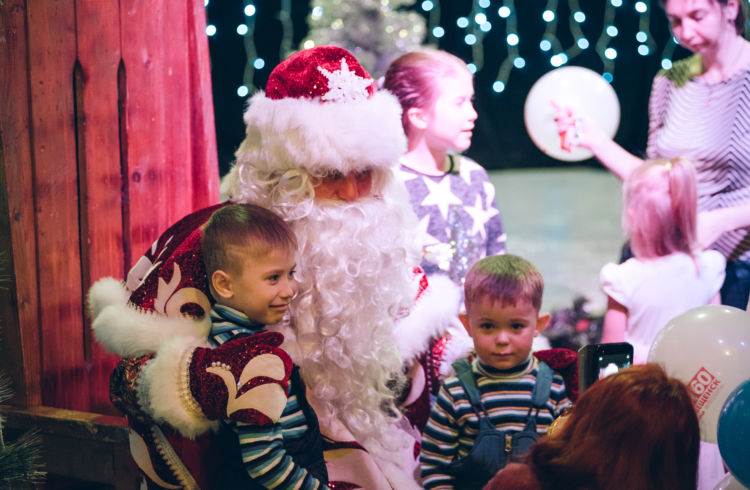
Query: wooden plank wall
{"x": 106, "y": 138}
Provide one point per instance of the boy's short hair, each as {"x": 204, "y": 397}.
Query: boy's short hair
{"x": 250, "y": 226}
{"x": 506, "y": 278}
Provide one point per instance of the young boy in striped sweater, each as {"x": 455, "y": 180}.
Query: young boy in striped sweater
{"x": 515, "y": 393}
{"x": 249, "y": 254}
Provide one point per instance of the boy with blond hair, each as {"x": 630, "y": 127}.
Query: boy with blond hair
{"x": 495, "y": 406}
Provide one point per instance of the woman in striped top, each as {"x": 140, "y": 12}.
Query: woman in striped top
{"x": 700, "y": 109}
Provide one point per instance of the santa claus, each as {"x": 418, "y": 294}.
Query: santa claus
{"x": 320, "y": 149}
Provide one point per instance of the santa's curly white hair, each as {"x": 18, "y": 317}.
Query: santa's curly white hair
{"x": 354, "y": 266}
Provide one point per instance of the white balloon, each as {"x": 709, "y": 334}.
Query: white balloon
{"x": 707, "y": 348}
{"x": 578, "y": 88}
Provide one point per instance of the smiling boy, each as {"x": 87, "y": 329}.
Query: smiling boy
{"x": 503, "y": 295}
{"x": 249, "y": 254}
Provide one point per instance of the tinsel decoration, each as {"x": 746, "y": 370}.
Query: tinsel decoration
{"x": 467, "y": 248}
{"x": 375, "y": 31}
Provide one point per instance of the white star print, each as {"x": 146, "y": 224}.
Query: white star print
{"x": 465, "y": 173}
{"x": 480, "y": 217}
{"x": 345, "y": 85}
{"x": 404, "y": 176}
{"x": 440, "y": 195}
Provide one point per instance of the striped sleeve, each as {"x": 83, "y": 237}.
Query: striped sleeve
{"x": 439, "y": 441}
{"x": 558, "y": 397}
{"x": 262, "y": 448}
{"x": 263, "y": 454}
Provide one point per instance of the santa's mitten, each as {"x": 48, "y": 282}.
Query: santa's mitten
{"x": 191, "y": 386}
{"x": 565, "y": 362}
{"x": 246, "y": 379}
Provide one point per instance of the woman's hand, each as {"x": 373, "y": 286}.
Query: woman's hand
{"x": 578, "y": 130}
{"x": 568, "y": 127}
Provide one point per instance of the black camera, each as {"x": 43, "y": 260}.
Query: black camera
{"x": 596, "y": 361}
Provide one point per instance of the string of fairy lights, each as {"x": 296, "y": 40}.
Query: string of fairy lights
{"x": 480, "y": 22}
{"x": 485, "y": 17}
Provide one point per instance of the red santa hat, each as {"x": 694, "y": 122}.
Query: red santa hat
{"x": 321, "y": 112}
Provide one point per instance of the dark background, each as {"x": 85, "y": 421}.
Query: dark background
{"x": 500, "y": 140}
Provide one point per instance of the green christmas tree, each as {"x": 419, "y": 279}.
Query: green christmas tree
{"x": 20, "y": 460}
{"x": 375, "y": 31}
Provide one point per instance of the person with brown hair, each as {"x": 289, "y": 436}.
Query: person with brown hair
{"x": 634, "y": 429}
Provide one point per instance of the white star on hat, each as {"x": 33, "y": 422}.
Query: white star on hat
{"x": 344, "y": 84}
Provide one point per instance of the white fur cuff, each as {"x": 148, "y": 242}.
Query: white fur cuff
{"x": 104, "y": 292}
{"x": 128, "y": 331}
{"x": 434, "y": 313}
{"x": 164, "y": 382}
{"x": 458, "y": 346}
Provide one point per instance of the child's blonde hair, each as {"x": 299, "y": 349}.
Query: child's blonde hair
{"x": 506, "y": 278}
{"x": 660, "y": 208}
{"x": 412, "y": 78}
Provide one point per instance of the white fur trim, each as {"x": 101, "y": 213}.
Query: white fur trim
{"x": 399, "y": 475}
{"x": 128, "y": 331}
{"x": 432, "y": 315}
{"x": 165, "y": 381}
{"x": 323, "y": 136}
{"x": 459, "y": 345}
{"x": 398, "y": 465}
{"x": 104, "y": 292}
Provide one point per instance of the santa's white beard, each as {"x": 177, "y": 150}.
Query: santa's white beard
{"x": 354, "y": 266}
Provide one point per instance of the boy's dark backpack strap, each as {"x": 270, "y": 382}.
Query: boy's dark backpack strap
{"x": 307, "y": 450}
{"x": 462, "y": 367}
{"x": 521, "y": 442}
{"x": 543, "y": 385}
